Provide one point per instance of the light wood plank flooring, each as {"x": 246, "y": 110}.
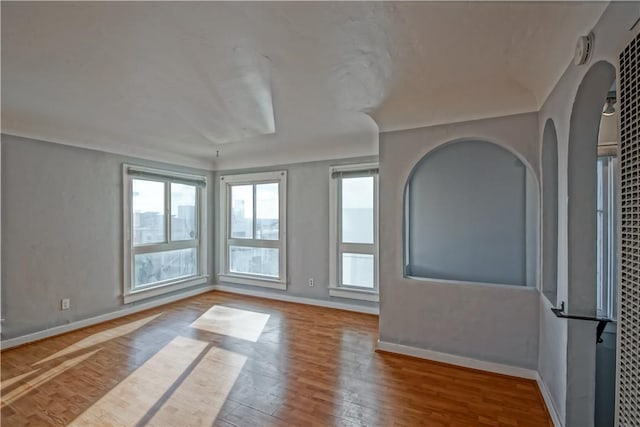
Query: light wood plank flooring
{"x": 226, "y": 360}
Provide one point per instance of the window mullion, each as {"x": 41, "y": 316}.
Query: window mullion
{"x": 197, "y": 214}
{"x": 164, "y": 247}
{"x": 167, "y": 211}
{"x": 358, "y": 248}
{"x": 339, "y": 235}
{"x": 228, "y": 215}
{"x": 375, "y": 232}
{"x": 253, "y": 187}
{"x": 255, "y": 243}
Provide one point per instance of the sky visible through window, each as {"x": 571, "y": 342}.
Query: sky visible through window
{"x": 148, "y": 196}
{"x": 149, "y": 210}
{"x": 357, "y": 210}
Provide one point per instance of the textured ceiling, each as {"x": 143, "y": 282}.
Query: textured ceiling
{"x": 269, "y": 83}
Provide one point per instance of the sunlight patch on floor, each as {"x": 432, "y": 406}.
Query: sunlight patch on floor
{"x": 30, "y": 385}
{"x": 233, "y": 322}
{"x": 10, "y": 381}
{"x": 101, "y": 337}
{"x": 197, "y": 401}
{"x": 128, "y": 402}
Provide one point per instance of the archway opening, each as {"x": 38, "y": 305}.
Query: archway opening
{"x": 582, "y": 240}
{"x": 607, "y": 195}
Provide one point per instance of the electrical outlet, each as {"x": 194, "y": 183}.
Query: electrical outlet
{"x": 311, "y": 283}
{"x": 65, "y": 304}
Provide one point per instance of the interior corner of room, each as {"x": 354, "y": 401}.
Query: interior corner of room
{"x": 478, "y": 197}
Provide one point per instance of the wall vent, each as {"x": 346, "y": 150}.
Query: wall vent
{"x": 628, "y": 384}
{"x": 584, "y": 49}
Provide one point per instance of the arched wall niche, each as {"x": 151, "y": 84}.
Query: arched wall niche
{"x": 549, "y": 164}
{"x": 471, "y": 215}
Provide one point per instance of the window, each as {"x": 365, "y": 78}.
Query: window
{"x": 354, "y": 232}
{"x": 471, "y": 215}
{"x": 606, "y": 234}
{"x": 164, "y": 225}
{"x": 254, "y": 229}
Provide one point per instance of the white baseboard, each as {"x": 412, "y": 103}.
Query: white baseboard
{"x": 452, "y": 359}
{"x": 299, "y": 300}
{"x": 468, "y": 362}
{"x": 25, "y": 339}
{"x": 548, "y": 400}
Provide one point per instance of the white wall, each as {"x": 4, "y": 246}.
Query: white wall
{"x": 1, "y": 308}
{"x": 565, "y": 360}
{"x": 486, "y": 322}
{"x": 62, "y": 233}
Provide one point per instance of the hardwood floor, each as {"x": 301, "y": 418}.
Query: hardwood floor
{"x": 226, "y": 360}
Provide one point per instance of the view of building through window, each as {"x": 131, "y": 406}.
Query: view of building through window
{"x": 148, "y": 212}
{"x": 254, "y": 218}
{"x": 183, "y": 212}
{"x": 150, "y": 228}
{"x": 242, "y": 211}
{"x": 260, "y": 261}
{"x": 161, "y": 266}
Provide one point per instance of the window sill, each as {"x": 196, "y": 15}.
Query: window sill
{"x": 253, "y": 281}
{"x": 165, "y": 288}
{"x": 471, "y": 283}
{"x": 363, "y": 295}
{"x": 612, "y": 327}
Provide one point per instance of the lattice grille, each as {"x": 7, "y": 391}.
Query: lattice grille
{"x": 629, "y": 315}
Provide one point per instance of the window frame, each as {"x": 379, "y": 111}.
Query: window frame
{"x": 226, "y": 275}
{"x": 132, "y": 293}
{"x": 337, "y": 247}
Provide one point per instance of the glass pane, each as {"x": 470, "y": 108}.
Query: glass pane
{"x": 606, "y": 245}
{"x": 160, "y": 266}
{"x": 357, "y": 210}
{"x": 242, "y": 211}
{"x": 357, "y": 270}
{"x": 267, "y": 209}
{"x": 183, "y": 212}
{"x": 261, "y": 261}
{"x": 148, "y": 212}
